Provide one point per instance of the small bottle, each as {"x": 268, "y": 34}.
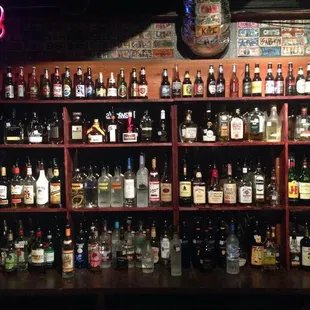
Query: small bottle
{"x": 79, "y": 85}
{"x": 187, "y": 88}
{"x": 176, "y": 84}
{"x": 300, "y": 82}
{"x": 122, "y": 85}
{"x": 101, "y": 91}
{"x": 57, "y": 85}
{"x": 234, "y": 83}
{"x": 112, "y": 89}
{"x": 256, "y": 83}
{"x": 21, "y": 84}
{"x": 198, "y": 85}
{"x": 9, "y": 91}
{"x": 46, "y": 91}
{"x": 67, "y": 84}
{"x": 247, "y": 82}
{"x": 279, "y": 82}
{"x": 68, "y": 255}
{"x": 134, "y": 85}
{"x": 175, "y": 249}
{"x": 143, "y": 85}
{"x": 220, "y": 83}
{"x": 165, "y": 91}
{"x": 33, "y": 86}
{"x": 89, "y": 85}
{"x": 290, "y": 87}
{"x": 211, "y": 83}
{"x": 269, "y": 82}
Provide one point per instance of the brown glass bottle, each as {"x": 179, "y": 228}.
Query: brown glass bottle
{"x": 211, "y": 83}
{"x": 220, "y": 83}
{"x": 134, "y": 85}
{"x": 33, "y": 86}
{"x": 101, "y": 91}
{"x": 122, "y": 85}
{"x": 46, "y": 86}
{"x": 290, "y": 87}
{"x": 256, "y": 83}
{"x": 89, "y": 85}
{"x": 57, "y": 85}
{"x": 279, "y": 82}
{"x": 247, "y": 82}
{"x": 187, "y": 89}
{"x": 176, "y": 84}
{"x": 112, "y": 89}
{"x": 269, "y": 82}
{"x": 143, "y": 85}
{"x": 234, "y": 83}
{"x": 165, "y": 91}
{"x": 79, "y": 85}
{"x": 198, "y": 85}
{"x": 9, "y": 92}
{"x": 21, "y": 85}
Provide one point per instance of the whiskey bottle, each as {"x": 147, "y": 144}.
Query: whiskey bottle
{"x": 162, "y": 131}
{"x": 293, "y": 193}
{"x": 130, "y": 195}
{"x": 185, "y": 188}
{"x": 4, "y": 189}
{"x": 35, "y": 130}
{"x": 104, "y": 190}
{"x": 236, "y": 126}
{"x": 130, "y": 134}
{"x": 305, "y": 249}
{"x": 259, "y": 186}
{"x": 17, "y": 189}
{"x": 166, "y": 187}
{"x": 247, "y": 82}
{"x": 154, "y": 185}
{"x": 290, "y": 87}
{"x": 101, "y": 91}
{"x": 68, "y": 255}
{"x": 304, "y": 184}
{"x": 13, "y": 130}
{"x": 89, "y": 84}
{"x": 245, "y": 188}
{"x": 269, "y": 253}
{"x": 29, "y": 187}
{"x": 230, "y": 188}
{"x": 33, "y": 86}
{"x": 307, "y": 83}
{"x": 112, "y": 89}
{"x": 77, "y": 128}
{"x": 46, "y": 89}
{"x": 42, "y": 189}
{"x": 142, "y": 184}
{"x": 223, "y": 125}
{"x": 300, "y": 82}
{"x": 122, "y": 85}
{"x": 279, "y": 82}
{"x": 9, "y": 91}
{"x": 199, "y": 189}
{"x": 176, "y": 84}
{"x": 37, "y": 260}
{"x": 257, "y": 248}
{"x": 269, "y": 82}
{"x": 208, "y": 130}
{"x": 56, "y": 131}
{"x": 57, "y": 85}
{"x": 96, "y": 134}
{"x": 143, "y": 85}
{"x": 220, "y": 83}
{"x": 79, "y": 85}
{"x": 113, "y": 130}
{"x": 165, "y": 91}
{"x": 67, "y": 84}
{"x": 55, "y": 188}
{"x": 215, "y": 191}
{"x": 187, "y": 89}
{"x": 273, "y": 126}
{"x": 234, "y": 83}
{"x": 21, "y": 84}
{"x": 188, "y": 129}
{"x": 256, "y": 127}
{"x": 198, "y": 85}
{"x": 256, "y": 83}
{"x": 211, "y": 83}
{"x": 146, "y": 127}
{"x": 134, "y": 85}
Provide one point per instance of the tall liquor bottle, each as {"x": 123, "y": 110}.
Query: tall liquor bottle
{"x": 17, "y": 189}
{"x": 42, "y": 189}
{"x": 236, "y": 126}
{"x": 304, "y": 184}
{"x": 55, "y": 188}
{"x": 104, "y": 190}
{"x": 305, "y": 249}
{"x": 29, "y": 187}
{"x": 256, "y": 128}
{"x": 146, "y": 127}
{"x": 130, "y": 133}
{"x": 185, "y": 188}
{"x": 10, "y": 260}
{"x": 273, "y": 126}
{"x": 37, "y": 261}
{"x": 117, "y": 189}
{"x": 259, "y": 185}
{"x": 142, "y": 184}
{"x": 68, "y": 255}
{"x": 77, "y": 190}
{"x": 91, "y": 189}
{"x": 77, "y": 132}
{"x": 166, "y": 187}
{"x": 223, "y": 125}
{"x": 257, "y": 248}
{"x": 130, "y": 195}
{"x": 162, "y": 130}
{"x": 4, "y": 189}
{"x": 199, "y": 189}
{"x": 208, "y": 129}
{"x": 230, "y": 188}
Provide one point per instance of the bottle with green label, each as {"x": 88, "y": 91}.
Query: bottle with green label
{"x": 10, "y": 262}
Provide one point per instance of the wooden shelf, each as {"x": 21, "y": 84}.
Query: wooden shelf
{"x": 298, "y": 142}
{"x": 31, "y": 146}
{"x": 299, "y": 208}
{"x": 122, "y": 209}
{"x": 230, "y": 144}
{"x": 117, "y": 145}
{"x": 33, "y": 210}
{"x": 233, "y": 208}
{"x": 84, "y": 101}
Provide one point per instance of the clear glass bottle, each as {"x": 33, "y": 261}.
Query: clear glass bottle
{"x": 155, "y": 244}
{"x": 117, "y": 189}
{"x": 230, "y": 188}
{"x": 273, "y": 126}
{"x": 165, "y": 245}
{"x": 302, "y": 127}
{"x": 94, "y": 256}
{"x": 142, "y": 184}
{"x": 77, "y": 190}
{"x": 104, "y": 190}
{"x": 21, "y": 246}
{"x": 146, "y": 127}
{"x": 130, "y": 245}
{"x": 49, "y": 251}
{"x": 114, "y": 241}
{"x": 105, "y": 247}
{"x": 269, "y": 253}
{"x": 245, "y": 188}
{"x": 91, "y": 190}
{"x": 29, "y": 187}
{"x": 208, "y": 129}
{"x": 139, "y": 245}
{"x": 147, "y": 255}
{"x": 256, "y": 128}
{"x": 175, "y": 250}
{"x": 232, "y": 251}
{"x": 35, "y": 130}
{"x": 188, "y": 129}
{"x": 130, "y": 195}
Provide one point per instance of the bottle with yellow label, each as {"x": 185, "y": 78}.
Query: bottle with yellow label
{"x": 292, "y": 183}
{"x": 257, "y": 248}
{"x": 187, "y": 87}
{"x": 185, "y": 188}
{"x": 257, "y": 83}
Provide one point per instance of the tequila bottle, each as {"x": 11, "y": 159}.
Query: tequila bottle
{"x": 130, "y": 196}
{"x": 273, "y": 126}
{"x": 117, "y": 189}
{"x": 142, "y": 184}
{"x": 104, "y": 190}
{"x": 91, "y": 190}
{"x": 188, "y": 129}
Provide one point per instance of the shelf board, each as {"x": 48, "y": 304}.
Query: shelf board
{"x": 230, "y": 144}
{"x": 298, "y": 142}
{"x": 85, "y": 101}
{"x": 122, "y": 209}
{"x": 299, "y": 208}
{"x": 117, "y": 145}
{"x": 232, "y": 208}
{"x": 33, "y": 210}
{"x": 31, "y": 146}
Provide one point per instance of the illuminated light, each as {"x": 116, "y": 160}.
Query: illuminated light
{"x": 2, "y": 33}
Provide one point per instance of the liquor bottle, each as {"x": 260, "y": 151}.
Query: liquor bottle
{"x": 96, "y": 134}
{"x": 143, "y": 85}
{"x": 122, "y": 85}
{"x": 114, "y": 241}
{"x": 198, "y": 85}
{"x": 146, "y": 127}
{"x": 130, "y": 244}
{"x": 221, "y": 246}
{"x": 208, "y": 129}
{"x": 188, "y": 129}
{"x": 46, "y": 87}
{"x": 42, "y": 189}
{"x": 257, "y": 248}
{"x": 269, "y": 82}
{"x": 121, "y": 252}
{"x": 185, "y": 188}
{"x": 104, "y": 190}
{"x": 165, "y": 242}
{"x": 305, "y": 249}
{"x": 199, "y": 188}
{"x": 4, "y": 189}
{"x": 35, "y": 130}
{"x": 276, "y": 246}
{"x": 56, "y": 130}
{"x": 117, "y": 189}
{"x": 307, "y": 82}
{"x": 187, "y": 89}
{"x": 269, "y": 253}
{"x": 57, "y": 85}
{"x": 134, "y": 85}
{"x": 77, "y": 190}
{"x": 230, "y": 188}
{"x": 101, "y": 91}
{"x": 207, "y": 252}
{"x": 243, "y": 252}
{"x": 197, "y": 243}
{"x": 29, "y": 187}
{"x": 33, "y": 86}
{"x": 130, "y": 134}
{"x": 37, "y": 262}
{"x": 273, "y": 126}
{"x": 292, "y": 124}
{"x": 105, "y": 247}
{"x": 91, "y": 190}
{"x": 10, "y": 260}
{"x": 166, "y": 187}
{"x": 223, "y": 125}
{"x": 176, "y": 84}
{"x": 113, "y": 130}
{"x": 81, "y": 249}
{"x": 259, "y": 185}
{"x": 68, "y": 255}
{"x": 304, "y": 184}
{"x": 79, "y": 85}
{"x": 89, "y": 85}
{"x": 293, "y": 193}
{"x": 165, "y": 90}
{"x": 17, "y": 189}
{"x": 256, "y": 127}
{"x": 147, "y": 258}
{"x": 154, "y": 185}
{"x": 94, "y": 256}
{"x": 21, "y": 84}
{"x": 294, "y": 251}
{"x": 154, "y": 244}
{"x": 232, "y": 251}
{"x": 300, "y": 82}
{"x": 247, "y": 82}
{"x": 234, "y": 83}
{"x": 139, "y": 245}
{"x": 279, "y": 82}
{"x": 112, "y": 89}
{"x": 3, "y": 244}
{"x": 290, "y": 87}
{"x": 186, "y": 246}
{"x": 9, "y": 91}
{"x": 211, "y": 83}
{"x": 236, "y": 126}
{"x": 175, "y": 249}
{"x": 162, "y": 131}
{"x": 302, "y": 130}
{"x": 142, "y": 184}
{"x": 272, "y": 194}
{"x": 21, "y": 246}
{"x": 257, "y": 83}
{"x": 215, "y": 190}
{"x": 130, "y": 195}
{"x": 55, "y": 189}
{"x": 49, "y": 252}
{"x": 220, "y": 83}
{"x": 77, "y": 128}
{"x": 67, "y": 84}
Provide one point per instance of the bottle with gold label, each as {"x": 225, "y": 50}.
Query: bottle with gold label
{"x": 292, "y": 183}
{"x": 166, "y": 188}
{"x": 269, "y": 253}
{"x": 77, "y": 190}
{"x": 29, "y": 187}
{"x": 257, "y": 83}
{"x": 68, "y": 255}
{"x": 230, "y": 188}
{"x": 96, "y": 134}
{"x": 304, "y": 184}
{"x": 215, "y": 190}
{"x": 55, "y": 188}
{"x": 185, "y": 188}
{"x": 257, "y": 248}
{"x": 101, "y": 91}
{"x": 134, "y": 85}
{"x": 199, "y": 189}
{"x": 104, "y": 190}
{"x": 187, "y": 87}
{"x": 223, "y": 124}
{"x": 122, "y": 85}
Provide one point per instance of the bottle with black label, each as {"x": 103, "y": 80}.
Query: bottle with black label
{"x": 185, "y": 190}
{"x": 220, "y": 83}
{"x": 247, "y": 82}
{"x": 211, "y": 83}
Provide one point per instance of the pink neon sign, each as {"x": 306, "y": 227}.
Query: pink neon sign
{"x": 1, "y": 22}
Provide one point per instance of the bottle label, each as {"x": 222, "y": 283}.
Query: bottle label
{"x": 95, "y": 257}
{"x": 198, "y": 89}
{"x": 165, "y": 91}
{"x": 212, "y": 88}
{"x": 16, "y": 189}
{"x": 269, "y": 257}
{"x": 89, "y": 91}
{"x": 199, "y": 193}
{"x": 9, "y": 92}
{"x": 122, "y": 91}
{"x": 105, "y": 253}
{"x": 33, "y": 92}
{"x": 165, "y": 248}
{"x": 230, "y": 193}
{"x": 103, "y": 186}
{"x": 166, "y": 192}
{"x": 247, "y": 88}
{"x": 305, "y": 256}
{"x": 77, "y": 132}
{"x": 293, "y": 190}
{"x": 255, "y": 125}
{"x": 155, "y": 254}
{"x": 67, "y": 261}
{"x": 3, "y": 195}
{"x": 185, "y": 189}
{"x": 42, "y": 194}
{"x": 208, "y": 135}
{"x": 46, "y": 91}
{"x": 256, "y": 87}
{"x": 304, "y": 190}
{"x": 215, "y": 197}
{"x": 176, "y": 89}
{"x": 67, "y": 91}
{"x": 112, "y": 133}
{"x": 10, "y": 261}
{"x": 257, "y": 255}
{"x": 80, "y": 91}
{"x": 300, "y": 86}
{"x": 101, "y": 92}
{"x": 189, "y": 133}
{"x": 224, "y": 128}
{"x": 259, "y": 188}
{"x": 236, "y": 129}
{"x": 116, "y": 186}
{"x": 35, "y": 137}
{"x": 270, "y": 88}
{"x": 245, "y": 194}
{"x": 154, "y": 191}
{"x": 112, "y": 92}
{"x": 134, "y": 90}
{"x": 57, "y": 90}
{"x": 95, "y": 138}
{"x": 54, "y": 132}
{"x": 55, "y": 193}
{"x": 79, "y": 254}
{"x": 130, "y": 137}
{"x": 129, "y": 189}
{"x": 20, "y": 250}
{"x": 187, "y": 90}
{"x": 49, "y": 256}
{"x": 220, "y": 88}
{"x": 28, "y": 194}
{"x": 279, "y": 87}
{"x": 21, "y": 91}
{"x": 307, "y": 87}
{"x": 37, "y": 256}
{"x": 143, "y": 90}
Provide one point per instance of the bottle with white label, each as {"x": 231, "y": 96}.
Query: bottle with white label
{"x": 68, "y": 255}
{"x": 259, "y": 186}
{"x": 165, "y": 245}
{"x": 130, "y": 195}
{"x": 245, "y": 188}
{"x": 112, "y": 89}
{"x": 304, "y": 184}
{"x": 17, "y": 189}
{"x": 104, "y": 190}
{"x": 199, "y": 189}
{"x": 307, "y": 85}
{"x": 269, "y": 82}
{"x": 49, "y": 252}
{"x": 37, "y": 261}
{"x": 29, "y": 187}
{"x": 188, "y": 129}
{"x": 300, "y": 82}
{"x": 42, "y": 189}
{"x": 230, "y": 188}
{"x": 142, "y": 184}
{"x": 236, "y": 126}
{"x": 305, "y": 249}
{"x": 4, "y": 189}
{"x": 35, "y": 130}
{"x": 154, "y": 186}
{"x": 113, "y": 132}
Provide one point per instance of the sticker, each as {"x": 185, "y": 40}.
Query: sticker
{"x": 270, "y": 41}
{"x": 162, "y": 43}
{"x": 203, "y": 9}
{"x": 271, "y": 51}
{"x": 162, "y": 35}
{"x": 247, "y": 25}
{"x": 141, "y": 44}
{"x": 162, "y": 53}
{"x": 244, "y": 32}
{"x": 292, "y": 41}
{"x": 270, "y": 32}
{"x": 210, "y": 19}
{"x": 207, "y": 30}
{"x": 293, "y": 51}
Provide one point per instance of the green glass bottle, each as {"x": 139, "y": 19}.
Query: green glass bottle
{"x": 304, "y": 184}
{"x": 292, "y": 183}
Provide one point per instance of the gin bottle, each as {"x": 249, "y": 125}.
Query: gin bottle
{"x": 117, "y": 189}
{"x": 90, "y": 190}
{"x": 142, "y": 184}
{"x": 104, "y": 190}
{"x": 130, "y": 196}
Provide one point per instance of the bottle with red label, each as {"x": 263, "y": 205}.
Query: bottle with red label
{"x": 8, "y": 85}
{"x": 154, "y": 186}
{"x": 21, "y": 84}
{"x": 46, "y": 86}
{"x": 143, "y": 85}
{"x": 33, "y": 86}
{"x": 17, "y": 189}
{"x": 57, "y": 85}
{"x": 94, "y": 256}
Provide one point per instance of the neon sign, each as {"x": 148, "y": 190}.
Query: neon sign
{"x": 2, "y": 29}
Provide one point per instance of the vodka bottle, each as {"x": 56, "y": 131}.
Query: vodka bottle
{"x": 130, "y": 196}
{"x": 91, "y": 187}
{"x": 232, "y": 248}
{"x": 117, "y": 189}
{"x": 142, "y": 184}
{"x": 147, "y": 256}
{"x": 175, "y": 250}
{"x": 104, "y": 190}
{"x": 115, "y": 240}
